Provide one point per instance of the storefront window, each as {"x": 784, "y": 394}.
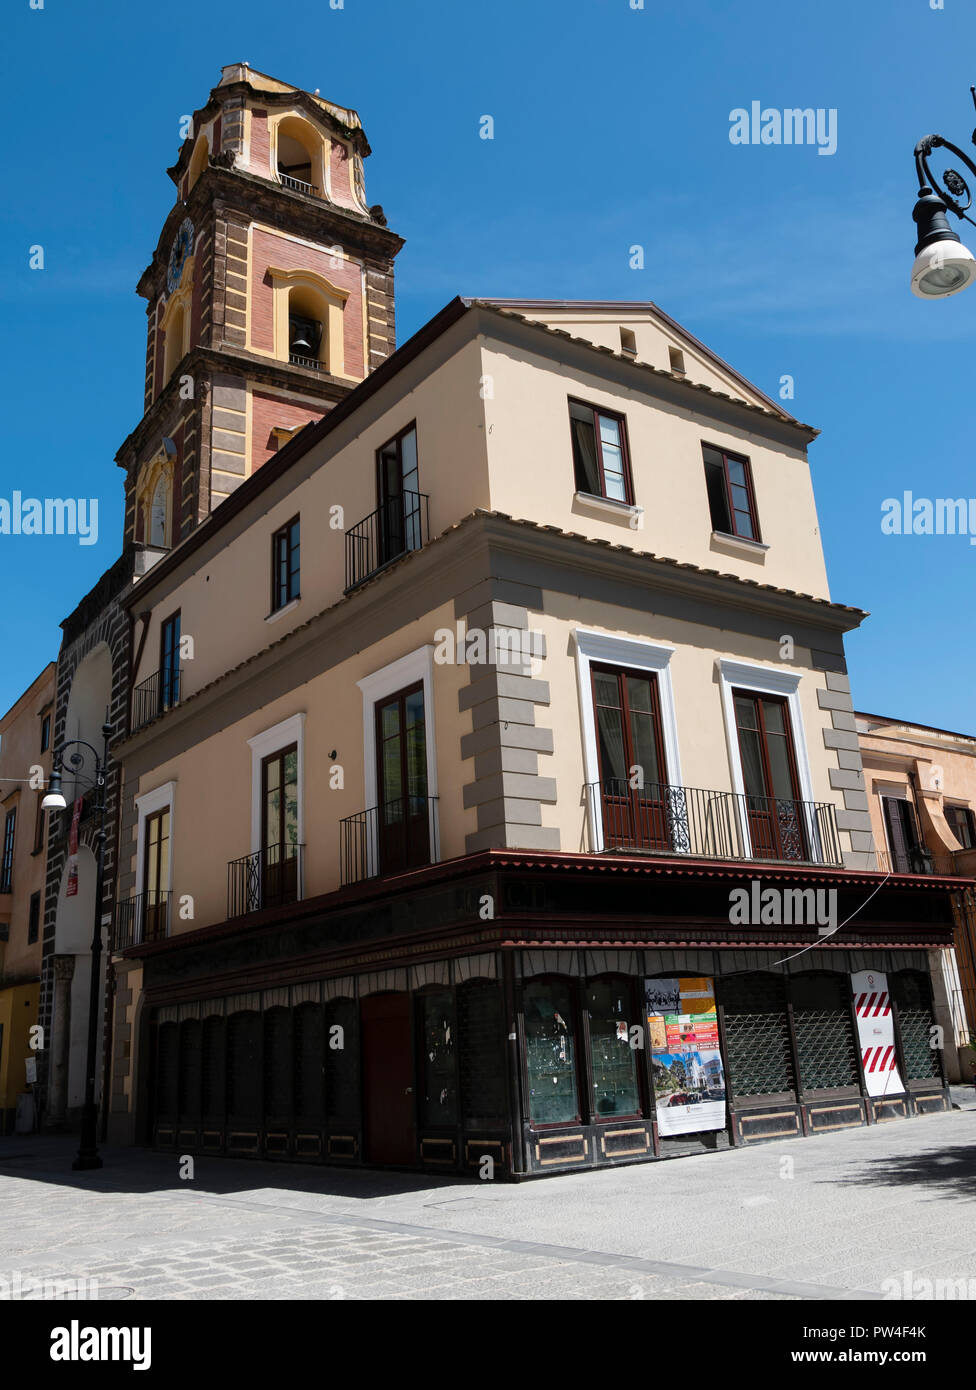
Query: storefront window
{"x": 614, "y": 1060}
{"x": 757, "y": 1034}
{"x": 438, "y": 1101}
{"x": 550, "y": 1053}
{"x": 342, "y": 1061}
{"x": 912, "y": 995}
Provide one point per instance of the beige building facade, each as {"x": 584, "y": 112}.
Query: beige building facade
{"x": 487, "y": 703}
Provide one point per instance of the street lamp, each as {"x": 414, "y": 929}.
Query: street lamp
{"x": 88, "y": 1155}
{"x": 943, "y": 265}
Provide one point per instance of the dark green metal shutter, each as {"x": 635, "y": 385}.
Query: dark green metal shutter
{"x": 213, "y": 1063}
{"x": 244, "y": 1067}
{"x": 912, "y": 993}
{"x": 824, "y": 1032}
{"x": 277, "y": 1063}
{"x": 342, "y": 1064}
{"x": 481, "y": 1053}
{"x": 757, "y": 1035}
{"x": 309, "y": 1069}
{"x": 190, "y": 1069}
{"x": 167, "y": 1075}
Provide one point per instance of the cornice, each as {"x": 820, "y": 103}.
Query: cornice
{"x": 291, "y": 211}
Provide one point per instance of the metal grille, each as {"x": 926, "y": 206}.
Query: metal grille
{"x": 824, "y": 1048}
{"x": 481, "y": 1052}
{"x": 757, "y": 1035}
{"x": 921, "y": 1060}
{"x": 911, "y": 992}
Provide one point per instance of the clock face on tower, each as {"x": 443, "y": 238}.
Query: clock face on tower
{"x": 182, "y": 246}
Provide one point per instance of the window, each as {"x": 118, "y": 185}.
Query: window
{"x": 279, "y": 827}
{"x": 962, "y": 825}
{"x": 628, "y": 342}
{"x": 169, "y": 662}
{"x": 397, "y": 487}
{"x": 600, "y": 453}
{"x": 7, "y": 857}
{"x": 769, "y": 776}
{"x": 609, "y": 1006}
{"x": 730, "y": 494}
{"x": 39, "y": 825}
{"x": 285, "y": 565}
{"x": 630, "y": 749}
{"x": 550, "y": 1052}
{"x": 437, "y": 1033}
{"x": 904, "y": 842}
{"x": 155, "y": 884}
{"x": 45, "y": 732}
{"x": 401, "y": 763}
{"x": 34, "y": 919}
{"x": 676, "y": 360}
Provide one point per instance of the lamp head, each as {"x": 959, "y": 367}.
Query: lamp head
{"x": 943, "y": 266}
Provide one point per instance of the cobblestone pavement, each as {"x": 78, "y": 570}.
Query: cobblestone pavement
{"x": 835, "y": 1216}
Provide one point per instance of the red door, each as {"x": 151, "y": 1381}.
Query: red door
{"x": 388, "y": 1099}
{"x": 633, "y": 772}
{"x": 772, "y": 789}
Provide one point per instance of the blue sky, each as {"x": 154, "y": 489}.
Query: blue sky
{"x": 611, "y": 129}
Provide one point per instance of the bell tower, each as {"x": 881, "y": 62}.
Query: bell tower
{"x": 269, "y": 297}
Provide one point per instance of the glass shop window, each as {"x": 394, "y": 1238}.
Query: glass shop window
{"x": 550, "y": 1046}
{"x": 438, "y": 1039}
{"x": 615, "y": 1087}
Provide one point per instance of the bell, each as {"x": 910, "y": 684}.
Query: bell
{"x": 304, "y": 336}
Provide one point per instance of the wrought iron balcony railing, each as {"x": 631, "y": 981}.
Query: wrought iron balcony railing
{"x": 312, "y": 363}
{"x": 143, "y": 917}
{"x": 662, "y": 819}
{"x": 299, "y": 185}
{"x": 155, "y": 696}
{"x": 268, "y": 878}
{"x": 400, "y": 524}
{"x": 382, "y": 840}
{"x": 916, "y": 860}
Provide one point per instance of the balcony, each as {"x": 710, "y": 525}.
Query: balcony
{"x": 155, "y": 696}
{"x": 388, "y": 839}
{"x": 299, "y": 185}
{"x": 399, "y": 525}
{"x": 270, "y": 877}
{"x": 662, "y": 819}
{"x": 311, "y": 364}
{"x": 918, "y": 860}
{"x": 144, "y": 917}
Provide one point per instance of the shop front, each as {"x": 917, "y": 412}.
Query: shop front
{"x": 531, "y": 1043}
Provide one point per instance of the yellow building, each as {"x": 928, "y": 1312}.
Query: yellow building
{"x": 921, "y": 785}
{"x": 26, "y": 738}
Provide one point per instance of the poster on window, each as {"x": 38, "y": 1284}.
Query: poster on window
{"x": 876, "y": 1032}
{"x": 689, "y": 1081}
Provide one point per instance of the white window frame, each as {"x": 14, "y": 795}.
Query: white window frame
{"x": 148, "y": 804}
{"x": 602, "y": 647}
{"x": 765, "y": 680}
{"x": 263, "y": 745}
{"x": 376, "y": 687}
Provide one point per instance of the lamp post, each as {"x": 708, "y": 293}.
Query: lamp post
{"x": 88, "y": 1155}
{"x": 943, "y": 265}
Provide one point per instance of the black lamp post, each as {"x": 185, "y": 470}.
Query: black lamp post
{"x": 88, "y": 1155}
{"x": 943, "y": 265}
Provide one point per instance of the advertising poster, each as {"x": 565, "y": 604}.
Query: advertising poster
{"x": 689, "y": 1082}
{"x": 876, "y": 1032}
